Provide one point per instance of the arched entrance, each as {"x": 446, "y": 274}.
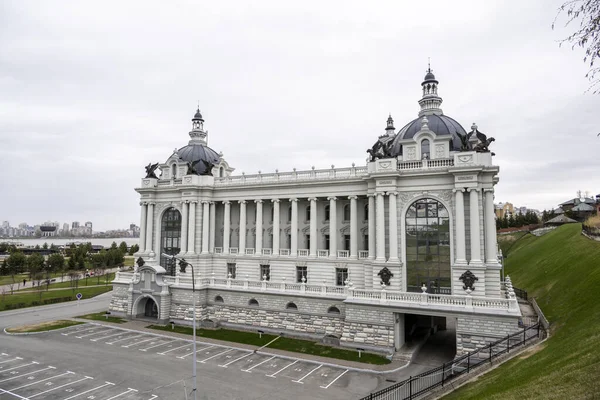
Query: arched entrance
{"x": 150, "y": 308}
{"x": 428, "y": 247}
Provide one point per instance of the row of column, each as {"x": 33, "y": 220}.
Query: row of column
{"x": 476, "y": 258}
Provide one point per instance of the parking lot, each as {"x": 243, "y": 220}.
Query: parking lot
{"x": 29, "y": 379}
{"x": 295, "y": 371}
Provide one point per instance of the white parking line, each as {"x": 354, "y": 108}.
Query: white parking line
{"x": 18, "y": 358}
{"x": 158, "y": 345}
{"x": 93, "y": 333}
{"x": 20, "y": 366}
{"x": 197, "y": 351}
{"x": 237, "y": 359}
{"x": 29, "y": 373}
{"x": 136, "y": 343}
{"x": 109, "y": 336}
{"x": 153, "y": 397}
{"x": 42, "y": 380}
{"x": 300, "y": 380}
{"x": 289, "y": 365}
{"x": 12, "y": 394}
{"x": 168, "y": 351}
{"x": 120, "y": 340}
{"x": 333, "y": 381}
{"x": 256, "y": 365}
{"x": 91, "y": 390}
{"x": 119, "y": 395}
{"x": 216, "y": 355}
{"x": 58, "y": 387}
{"x": 78, "y": 331}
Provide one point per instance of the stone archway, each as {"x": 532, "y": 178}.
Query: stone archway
{"x": 146, "y": 307}
{"x": 150, "y": 308}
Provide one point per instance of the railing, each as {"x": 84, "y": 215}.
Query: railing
{"x": 302, "y": 252}
{"x": 426, "y": 164}
{"x": 422, "y": 383}
{"x": 284, "y": 252}
{"x": 218, "y": 250}
{"x": 322, "y": 253}
{"x": 233, "y": 250}
{"x": 293, "y": 176}
{"x": 267, "y": 252}
{"x": 249, "y": 251}
{"x": 343, "y": 254}
{"x": 363, "y": 254}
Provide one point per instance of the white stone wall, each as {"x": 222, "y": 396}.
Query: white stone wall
{"x": 476, "y": 331}
{"x": 119, "y": 302}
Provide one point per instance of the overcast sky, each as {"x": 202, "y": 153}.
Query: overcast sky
{"x": 90, "y": 92}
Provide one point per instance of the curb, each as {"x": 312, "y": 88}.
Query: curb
{"x": 34, "y": 333}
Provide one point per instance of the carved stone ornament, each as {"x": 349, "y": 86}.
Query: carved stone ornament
{"x": 439, "y": 151}
{"x": 385, "y": 274}
{"x": 140, "y": 262}
{"x": 150, "y": 168}
{"x": 465, "y": 159}
{"x": 468, "y": 279}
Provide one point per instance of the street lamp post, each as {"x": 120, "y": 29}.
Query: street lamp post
{"x": 183, "y": 262}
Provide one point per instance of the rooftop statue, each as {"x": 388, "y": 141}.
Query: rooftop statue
{"x": 484, "y": 142}
{"x": 150, "y": 168}
{"x": 208, "y": 168}
{"x": 465, "y": 144}
{"x": 191, "y": 167}
{"x": 381, "y": 150}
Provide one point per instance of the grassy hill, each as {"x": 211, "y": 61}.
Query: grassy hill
{"x": 562, "y": 270}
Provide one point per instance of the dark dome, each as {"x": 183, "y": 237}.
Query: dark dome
{"x": 195, "y": 152}
{"x": 198, "y": 115}
{"x": 430, "y": 76}
{"x": 440, "y": 124}
{"x": 47, "y": 228}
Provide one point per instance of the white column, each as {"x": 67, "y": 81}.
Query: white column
{"x": 242, "y": 235}
{"x": 294, "y": 229}
{"x": 184, "y": 227}
{"x": 475, "y": 227}
{"x": 313, "y": 227}
{"x": 333, "y": 235}
{"x": 371, "y": 226}
{"x": 192, "y": 229}
{"x": 259, "y": 227}
{"x": 353, "y": 228}
{"x": 380, "y": 227}
{"x": 149, "y": 229}
{"x": 491, "y": 257}
{"x": 205, "y": 226}
{"x": 275, "y": 226}
{"x": 461, "y": 252}
{"x": 213, "y": 227}
{"x": 393, "y": 221}
{"x": 143, "y": 227}
{"x": 226, "y": 226}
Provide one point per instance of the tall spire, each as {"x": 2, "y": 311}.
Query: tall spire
{"x": 389, "y": 130}
{"x": 430, "y": 102}
{"x": 198, "y": 134}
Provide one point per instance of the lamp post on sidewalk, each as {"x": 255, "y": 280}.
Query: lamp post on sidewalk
{"x": 183, "y": 263}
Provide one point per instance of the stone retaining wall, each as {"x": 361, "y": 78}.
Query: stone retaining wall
{"x": 478, "y": 331}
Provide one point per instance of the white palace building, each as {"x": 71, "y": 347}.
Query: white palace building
{"x": 360, "y": 255}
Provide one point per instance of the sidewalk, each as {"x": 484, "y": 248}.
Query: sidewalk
{"x": 19, "y": 284}
{"x": 141, "y": 326}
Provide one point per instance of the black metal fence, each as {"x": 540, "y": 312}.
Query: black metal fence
{"x": 418, "y": 385}
{"x": 520, "y": 293}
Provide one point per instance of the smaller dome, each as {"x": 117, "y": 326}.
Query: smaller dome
{"x": 198, "y": 115}
{"x": 430, "y": 77}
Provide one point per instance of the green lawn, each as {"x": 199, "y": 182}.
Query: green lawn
{"x": 283, "y": 343}
{"x": 9, "y": 302}
{"x": 91, "y": 281}
{"x": 102, "y": 316}
{"x": 562, "y": 270}
{"x": 7, "y": 279}
{"x": 44, "y": 326}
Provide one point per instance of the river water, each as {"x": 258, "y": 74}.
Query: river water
{"x": 106, "y": 242}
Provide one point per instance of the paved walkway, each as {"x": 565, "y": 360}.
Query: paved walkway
{"x": 19, "y": 284}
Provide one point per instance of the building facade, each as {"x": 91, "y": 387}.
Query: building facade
{"x": 359, "y": 254}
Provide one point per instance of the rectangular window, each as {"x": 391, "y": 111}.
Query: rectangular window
{"x": 341, "y": 276}
{"x": 326, "y": 242}
{"x": 301, "y": 272}
{"x": 231, "y": 270}
{"x": 265, "y": 272}
{"x": 346, "y": 242}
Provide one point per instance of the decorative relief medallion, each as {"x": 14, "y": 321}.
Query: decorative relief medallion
{"x": 411, "y": 153}
{"x": 468, "y": 279}
{"x": 385, "y": 164}
{"x": 188, "y": 179}
{"x": 465, "y": 159}
{"x": 439, "y": 151}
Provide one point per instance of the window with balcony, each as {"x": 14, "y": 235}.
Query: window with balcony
{"x": 265, "y": 272}
{"x": 341, "y": 276}
{"x": 301, "y": 272}
{"x": 231, "y": 270}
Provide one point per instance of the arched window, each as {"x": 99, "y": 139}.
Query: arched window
{"x": 291, "y": 306}
{"x": 170, "y": 238}
{"x": 333, "y": 310}
{"x": 173, "y": 171}
{"x": 253, "y": 303}
{"x": 218, "y": 299}
{"x": 307, "y": 213}
{"x": 347, "y": 212}
{"x": 425, "y": 148}
{"x": 221, "y": 172}
{"x": 366, "y": 212}
{"x": 327, "y": 212}
{"x": 428, "y": 247}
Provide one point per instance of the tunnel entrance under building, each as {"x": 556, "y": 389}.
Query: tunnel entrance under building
{"x": 412, "y": 330}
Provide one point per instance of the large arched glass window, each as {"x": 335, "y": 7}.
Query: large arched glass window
{"x": 428, "y": 247}
{"x": 170, "y": 238}
{"x": 327, "y": 212}
{"x": 347, "y": 212}
{"x": 425, "y": 148}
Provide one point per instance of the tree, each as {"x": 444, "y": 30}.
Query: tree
{"x": 55, "y": 263}
{"x": 35, "y": 264}
{"x": 123, "y": 247}
{"x": 45, "y": 246}
{"x": 4, "y": 268}
{"x": 16, "y": 263}
{"x": 134, "y": 249}
{"x": 113, "y": 246}
{"x": 587, "y": 35}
